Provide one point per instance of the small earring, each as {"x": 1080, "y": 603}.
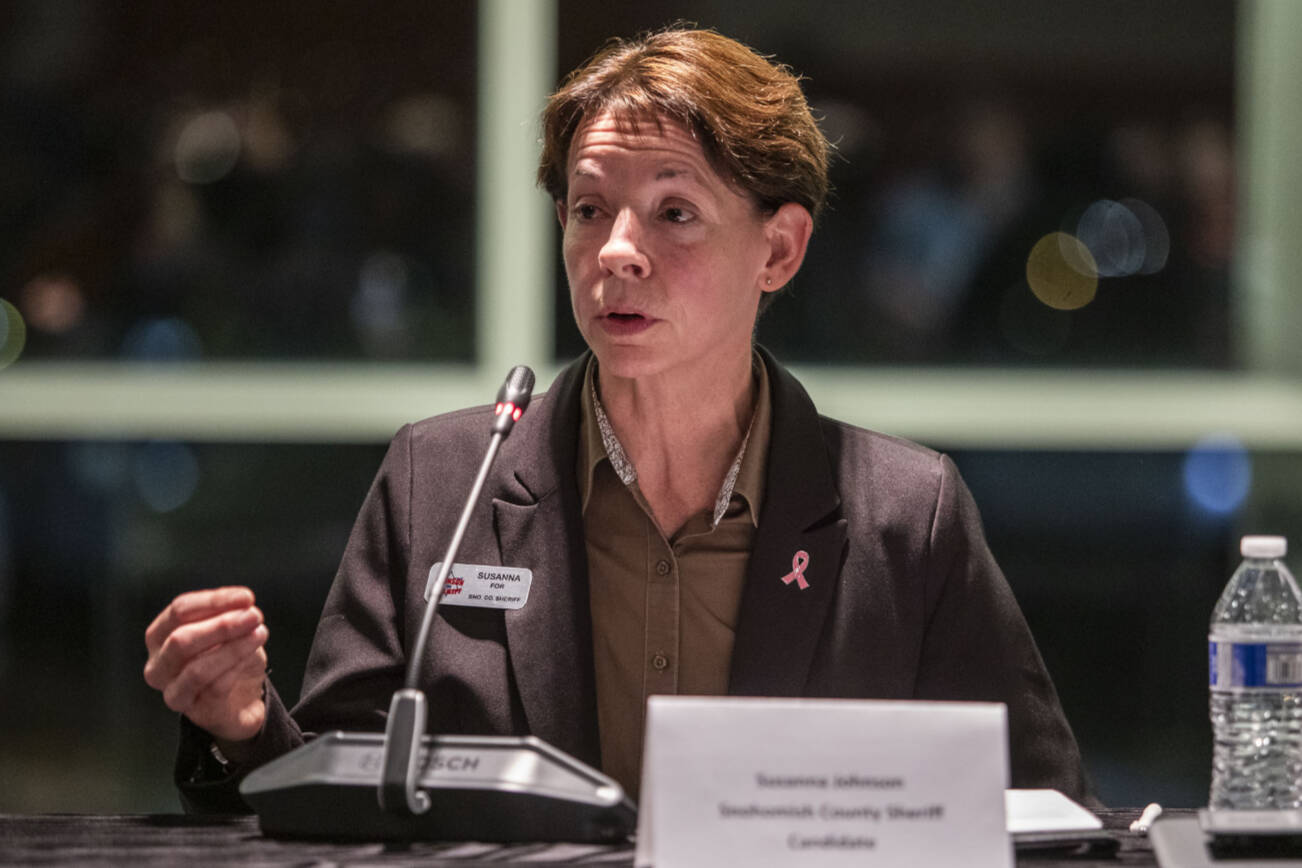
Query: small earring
{"x": 768, "y": 281}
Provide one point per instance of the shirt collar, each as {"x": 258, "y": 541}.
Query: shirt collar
{"x": 745, "y": 477}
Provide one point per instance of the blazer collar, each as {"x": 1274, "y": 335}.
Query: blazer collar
{"x": 543, "y": 448}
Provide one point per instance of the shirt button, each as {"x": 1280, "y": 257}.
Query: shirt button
{"x": 660, "y": 661}
{"x": 662, "y": 567}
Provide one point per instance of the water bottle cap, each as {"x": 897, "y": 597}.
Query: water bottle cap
{"x": 1263, "y": 546}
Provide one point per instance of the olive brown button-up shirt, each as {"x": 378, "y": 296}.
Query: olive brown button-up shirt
{"x": 664, "y": 608}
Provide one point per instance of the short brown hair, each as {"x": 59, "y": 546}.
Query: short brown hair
{"x": 748, "y": 112}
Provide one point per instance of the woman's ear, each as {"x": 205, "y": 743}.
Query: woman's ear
{"x": 562, "y": 213}
{"x": 787, "y": 232}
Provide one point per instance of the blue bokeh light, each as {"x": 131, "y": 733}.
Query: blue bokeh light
{"x": 165, "y": 474}
{"x": 168, "y": 339}
{"x": 1217, "y": 474}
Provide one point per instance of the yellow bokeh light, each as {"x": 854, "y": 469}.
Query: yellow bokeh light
{"x": 1061, "y": 272}
{"x": 13, "y": 334}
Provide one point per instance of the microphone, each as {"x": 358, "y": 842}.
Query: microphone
{"x": 407, "y": 711}
{"x": 513, "y": 399}
{"x": 485, "y": 788}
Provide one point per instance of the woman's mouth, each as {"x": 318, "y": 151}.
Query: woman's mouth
{"x": 625, "y": 324}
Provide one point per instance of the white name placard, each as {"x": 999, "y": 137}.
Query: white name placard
{"x": 779, "y": 782}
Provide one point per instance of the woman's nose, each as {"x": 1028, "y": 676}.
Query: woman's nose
{"x": 622, "y": 254}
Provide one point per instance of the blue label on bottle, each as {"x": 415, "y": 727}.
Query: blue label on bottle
{"x": 1254, "y": 665}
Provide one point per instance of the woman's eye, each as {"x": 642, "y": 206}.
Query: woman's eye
{"x": 585, "y": 211}
{"x": 677, "y": 215}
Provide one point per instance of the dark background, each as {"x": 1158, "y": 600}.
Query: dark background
{"x": 339, "y": 226}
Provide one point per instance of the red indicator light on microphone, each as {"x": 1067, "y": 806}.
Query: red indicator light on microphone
{"x": 497, "y": 411}
{"x": 517, "y": 414}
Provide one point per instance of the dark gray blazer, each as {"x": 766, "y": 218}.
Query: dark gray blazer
{"x": 905, "y": 600}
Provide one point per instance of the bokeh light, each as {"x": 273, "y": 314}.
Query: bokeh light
{"x": 378, "y": 308}
{"x": 103, "y": 466}
{"x": 1157, "y": 238}
{"x": 165, "y": 474}
{"x": 1061, "y": 272}
{"x": 207, "y": 148}
{"x": 176, "y": 219}
{"x": 1217, "y": 474}
{"x": 267, "y": 143}
{"x": 13, "y": 334}
{"x": 1124, "y": 237}
{"x": 426, "y": 125}
{"x": 54, "y": 303}
{"x": 1114, "y": 236}
{"x": 169, "y": 339}
{"x": 382, "y": 287}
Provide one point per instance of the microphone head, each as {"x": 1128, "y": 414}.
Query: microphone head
{"x": 513, "y": 399}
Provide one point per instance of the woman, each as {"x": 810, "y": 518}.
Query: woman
{"x": 692, "y": 525}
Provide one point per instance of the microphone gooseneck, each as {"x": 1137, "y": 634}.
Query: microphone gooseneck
{"x": 408, "y": 711}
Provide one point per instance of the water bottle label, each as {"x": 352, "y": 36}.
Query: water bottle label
{"x": 1255, "y": 665}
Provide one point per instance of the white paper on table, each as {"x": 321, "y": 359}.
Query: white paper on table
{"x": 1046, "y": 811}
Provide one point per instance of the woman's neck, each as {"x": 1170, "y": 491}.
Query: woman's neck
{"x": 682, "y": 433}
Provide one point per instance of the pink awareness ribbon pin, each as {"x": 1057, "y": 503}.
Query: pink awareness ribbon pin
{"x": 797, "y": 574}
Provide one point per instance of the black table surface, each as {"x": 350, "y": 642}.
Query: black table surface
{"x": 173, "y": 839}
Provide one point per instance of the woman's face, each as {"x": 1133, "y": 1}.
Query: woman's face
{"x": 665, "y": 258}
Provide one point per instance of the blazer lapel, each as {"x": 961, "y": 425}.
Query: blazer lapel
{"x": 537, "y": 521}
{"x": 780, "y": 621}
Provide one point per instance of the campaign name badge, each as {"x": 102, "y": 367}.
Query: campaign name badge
{"x": 488, "y": 587}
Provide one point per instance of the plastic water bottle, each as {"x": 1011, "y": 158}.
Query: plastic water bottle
{"x": 1255, "y": 650}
